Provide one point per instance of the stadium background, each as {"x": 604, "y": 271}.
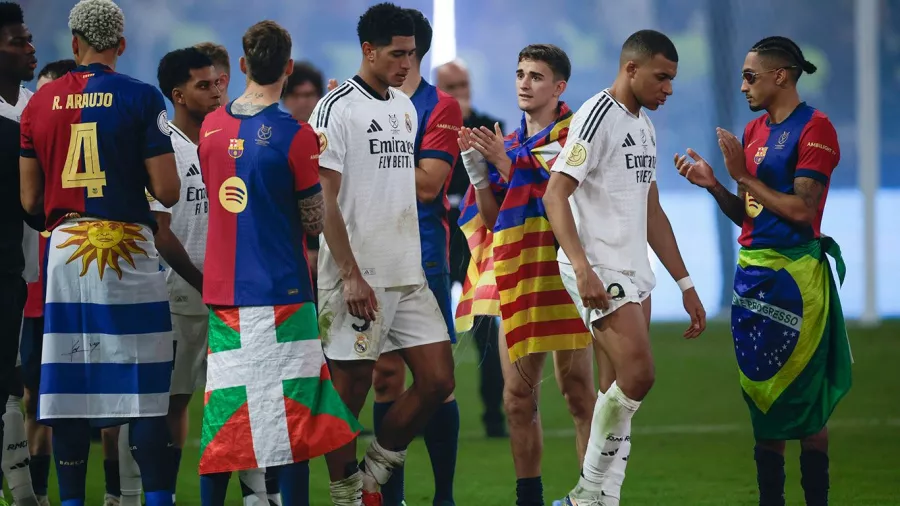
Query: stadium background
{"x": 855, "y": 44}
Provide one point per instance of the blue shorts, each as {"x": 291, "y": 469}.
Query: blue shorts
{"x": 440, "y": 287}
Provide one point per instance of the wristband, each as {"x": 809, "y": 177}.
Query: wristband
{"x": 685, "y": 284}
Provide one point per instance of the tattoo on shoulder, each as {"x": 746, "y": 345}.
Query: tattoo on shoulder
{"x": 809, "y": 190}
{"x": 246, "y": 109}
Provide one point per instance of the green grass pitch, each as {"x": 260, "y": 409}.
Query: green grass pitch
{"x": 692, "y": 443}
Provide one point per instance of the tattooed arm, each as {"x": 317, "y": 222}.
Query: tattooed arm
{"x": 800, "y": 208}
{"x": 729, "y": 203}
{"x": 312, "y": 213}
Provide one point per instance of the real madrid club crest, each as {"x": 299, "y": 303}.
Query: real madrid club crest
{"x": 408, "y": 123}
{"x": 362, "y": 344}
{"x": 760, "y": 155}
{"x": 235, "y": 148}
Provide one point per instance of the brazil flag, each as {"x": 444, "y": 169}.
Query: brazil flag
{"x": 790, "y": 339}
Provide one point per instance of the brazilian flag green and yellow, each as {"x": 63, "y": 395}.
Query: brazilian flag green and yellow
{"x": 790, "y": 339}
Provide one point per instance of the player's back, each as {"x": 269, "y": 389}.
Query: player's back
{"x": 91, "y": 130}
{"x": 614, "y": 154}
{"x": 805, "y": 144}
{"x": 436, "y": 137}
{"x": 370, "y": 141}
{"x": 255, "y": 169}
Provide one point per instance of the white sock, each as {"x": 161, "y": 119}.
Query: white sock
{"x": 348, "y": 492}
{"x": 15, "y": 455}
{"x": 610, "y": 425}
{"x": 380, "y": 463}
{"x": 255, "y": 480}
{"x": 129, "y": 472}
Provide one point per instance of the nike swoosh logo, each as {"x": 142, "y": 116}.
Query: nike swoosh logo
{"x": 752, "y": 142}
{"x": 207, "y": 134}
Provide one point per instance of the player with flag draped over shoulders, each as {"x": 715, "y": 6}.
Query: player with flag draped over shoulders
{"x": 790, "y": 339}
{"x": 269, "y": 397}
{"x": 92, "y": 141}
{"x": 509, "y": 235}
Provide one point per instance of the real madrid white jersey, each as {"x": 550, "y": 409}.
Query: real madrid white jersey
{"x": 190, "y": 217}
{"x": 612, "y": 155}
{"x": 370, "y": 140}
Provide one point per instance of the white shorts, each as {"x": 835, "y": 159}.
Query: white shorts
{"x": 622, "y": 287}
{"x": 407, "y": 316}
{"x": 191, "y": 348}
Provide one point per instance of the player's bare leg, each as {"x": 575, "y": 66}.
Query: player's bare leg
{"x": 352, "y": 380}
{"x": 388, "y": 381}
{"x": 521, "y": 399}
{"x": 110, "y": 440}
{"x": 624, "y": 336}
{"x": 606, "y": 374}
{"x": 575, "y": 377}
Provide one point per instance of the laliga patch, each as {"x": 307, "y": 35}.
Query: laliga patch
{"x": 577, "y": 155}
{"x": 162, "y": 121}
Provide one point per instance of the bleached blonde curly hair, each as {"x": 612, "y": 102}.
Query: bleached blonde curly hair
{"x": 100, "y": 22}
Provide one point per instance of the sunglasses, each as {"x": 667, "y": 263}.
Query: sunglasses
{"x": 751, "y": 77}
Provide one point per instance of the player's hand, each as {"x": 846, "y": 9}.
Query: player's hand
{"x": 733, "y": 153}
{"x": 490, "y": 144}
{"x": 360, "y": 297}
{"x": 473, "y": 161}
{"x": 591, "y": 289}
{"x": 695, "y": 310}
{"x": 332, "y": 84}
{"x": 697, "y": 171}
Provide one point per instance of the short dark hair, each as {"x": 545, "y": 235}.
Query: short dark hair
{"x": 57, "y": 69}
{"x": 175, "y": 68}
{"x": 217, "y": 53}
{"x": 553, "y": 56}
{"x": 305, "y": 72}
{"x": 423, "y": 32}
{"x": 786, "y": 52}
{"x": 11, "y": 14}
{"x": 267, "y": 49}
{"x": 647, "y": 44}
{"x": 382, "y": 22}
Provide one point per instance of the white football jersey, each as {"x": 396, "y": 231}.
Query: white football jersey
{"x": 29, "y": 236}
{"x": 189, "y": 223}
{"x": 370, "y": 140}
{"x": 612, "y": 155}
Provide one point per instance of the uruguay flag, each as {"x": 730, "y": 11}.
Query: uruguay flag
{"x": 108, "y": 349}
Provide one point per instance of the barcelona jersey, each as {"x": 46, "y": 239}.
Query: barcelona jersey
{"x": 256, "y": 168}
{"x": 91, "y": 131}
{"x": 803, "y": 145}
{"x": 440, "y": 119}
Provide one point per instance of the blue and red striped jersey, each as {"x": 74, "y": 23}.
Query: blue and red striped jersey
{"x": 256, "y": 168}
{"x": 440, "y": 119}
{"x": 803, "y": 145}
{"x": 91, "y": 131}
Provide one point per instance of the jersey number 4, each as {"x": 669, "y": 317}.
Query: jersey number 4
{"x": 84, "y": 139}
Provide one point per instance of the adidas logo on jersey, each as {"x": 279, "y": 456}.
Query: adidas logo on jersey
{"x": 193, "y": 171}
{"x": 374, "y": 127}
{"x": 628, "y": 141}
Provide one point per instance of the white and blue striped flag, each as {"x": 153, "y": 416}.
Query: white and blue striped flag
{"x": 108, "y": 348}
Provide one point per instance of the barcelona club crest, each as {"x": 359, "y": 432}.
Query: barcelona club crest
{"x": 235, "y": 148}
{"x": 408, "y": 123}
{"x": 760, "y": 155}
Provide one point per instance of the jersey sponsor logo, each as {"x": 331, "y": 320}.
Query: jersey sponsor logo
{"x": 162, "y": 121}
{"x": 760, "y": 155}
{"x": 198, "y": 196}
{"x": 233, "y": 195}
{"x": 781, "y": 140}
{"x": 235, "y": 148}
{"x": 374, "y": 127}
{"x": 263, "y": 135}
{"x": 323, "y": 142}
{"x": 445, "y": 126}
{"x": 210, "y": 132}
{"x": 408, "y": 123}
{"x": 393, "y": 153}
{"x": 103, "y": 241}
{"x": 751, "y": 206}
{"x": 577, "y": 155}
{"x": 821, "y": 146}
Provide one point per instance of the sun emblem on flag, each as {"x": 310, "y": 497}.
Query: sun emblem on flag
{"x": 103, "y": 241}
{"x": 235, "y": 148}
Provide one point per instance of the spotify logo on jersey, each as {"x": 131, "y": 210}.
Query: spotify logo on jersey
{"x": 233, "y": 195}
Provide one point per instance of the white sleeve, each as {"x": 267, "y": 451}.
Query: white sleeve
{"x": 155, "y": 205}
{"x": 327, "y": 120}
{"x": 586, "y": 139}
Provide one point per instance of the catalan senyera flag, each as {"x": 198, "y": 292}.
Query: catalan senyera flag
{"x": 513, "y": 272}
{"x": 790, "y": 338}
